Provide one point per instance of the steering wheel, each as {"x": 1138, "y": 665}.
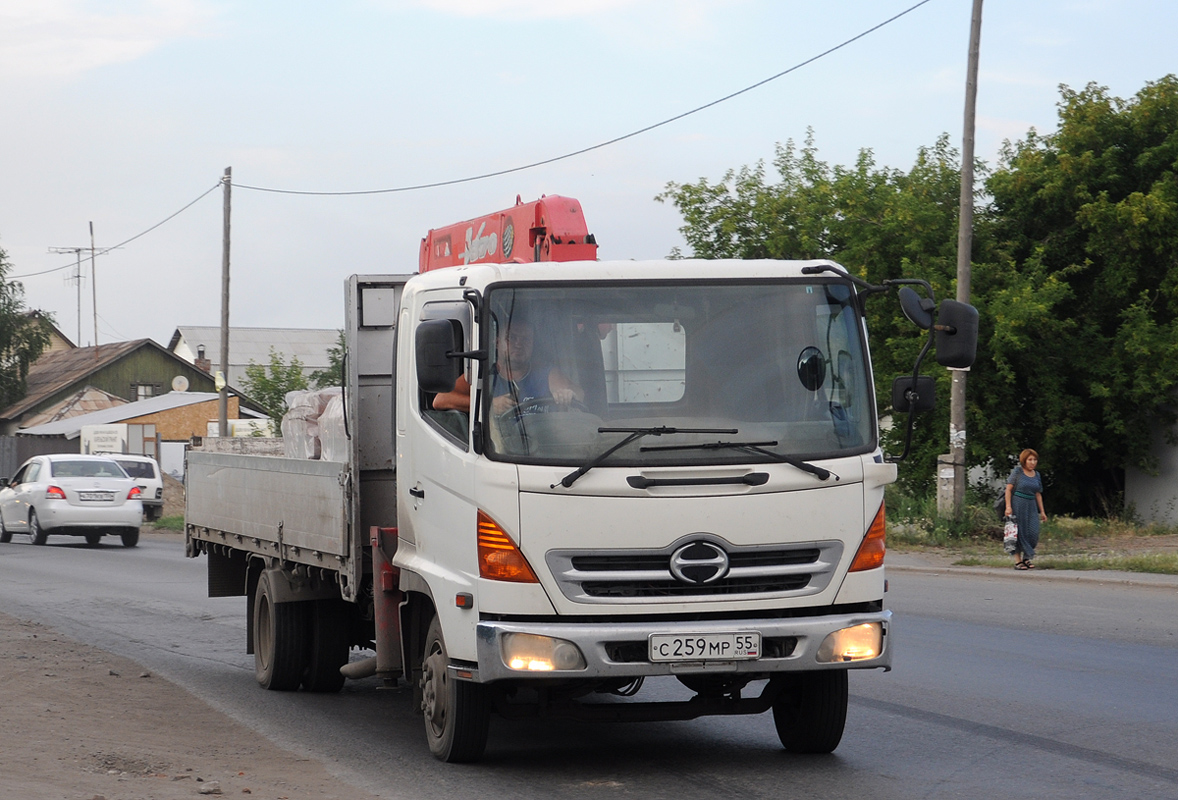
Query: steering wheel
{"x": 538, "y": 405}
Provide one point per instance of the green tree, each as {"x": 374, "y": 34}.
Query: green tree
{"x": 268, "y": 385}
{"x": 23, "y": 336}
{"x": 879, "y": 223}
{"x": 334, "y": 374}
{"x": 1085, "y": 340}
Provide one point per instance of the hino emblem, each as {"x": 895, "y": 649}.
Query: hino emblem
{"x": 698, "y": 563}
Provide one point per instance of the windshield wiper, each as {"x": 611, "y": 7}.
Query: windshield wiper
{"x": 756, "y": 447}
{"x": 634, "y": 435}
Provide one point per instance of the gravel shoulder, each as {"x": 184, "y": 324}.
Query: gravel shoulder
{"x": 81, "y": 724}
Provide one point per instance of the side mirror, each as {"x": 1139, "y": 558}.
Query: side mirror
{"x": 919, "y": 311}
{"x": 908, "y": 396}
{"x": 435, "y": 340}
{"x": 3, "y": 482}
{"x": 957, "y": 334}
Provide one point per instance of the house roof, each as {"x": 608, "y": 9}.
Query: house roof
{"x": 89, "y": 398}
{"x": 308, "y": 345}
{"x": 60, "y": 369}
{"x": 71, "y": 427}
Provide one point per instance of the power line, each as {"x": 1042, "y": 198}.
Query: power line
{"x": 599, "y": 146}
{"x": 103, "y": 251}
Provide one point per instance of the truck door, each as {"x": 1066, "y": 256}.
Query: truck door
{"x": 436, "y": 468}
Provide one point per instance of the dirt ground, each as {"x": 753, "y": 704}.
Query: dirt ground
{"x": 81, "y": 724}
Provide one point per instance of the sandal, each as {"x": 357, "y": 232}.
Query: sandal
{"x": 1029, "y": 565}
{"x": 1021, "y": 565}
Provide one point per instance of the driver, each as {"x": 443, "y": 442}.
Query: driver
{"x": 516, "y": 379}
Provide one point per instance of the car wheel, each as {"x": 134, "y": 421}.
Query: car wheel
{"x": 37, "y": 534}
{"x": 280, "y": 639}
{"x": 457, "y": 713}
{"x": 130, "y": 537}
{"x": 5, "y": 534}
{"x": 811, "y": 711}
{"x": 93, "y": 538}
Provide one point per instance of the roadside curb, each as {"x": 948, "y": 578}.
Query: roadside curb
{"x": 904, "y": 563}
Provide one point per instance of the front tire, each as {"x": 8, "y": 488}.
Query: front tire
{"x": 811, "y": 711}
{"x": 130, "y": 537}
{"x": 37, "y": 534}
{"x": 457, "y": 713}
{"x": 280, "y": 639}
{"x": 5, "y": 534}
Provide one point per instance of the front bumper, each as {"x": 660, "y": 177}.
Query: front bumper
{"x": 618, "y": 650}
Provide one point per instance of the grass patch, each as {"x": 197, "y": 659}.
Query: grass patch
{"x": 172, "y": 523}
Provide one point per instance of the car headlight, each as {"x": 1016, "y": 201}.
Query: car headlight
{"x": 531, "y": 653}
{"x": 852, "y": 644}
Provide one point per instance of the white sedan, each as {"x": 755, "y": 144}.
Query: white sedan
{"x": 77, "y": 495}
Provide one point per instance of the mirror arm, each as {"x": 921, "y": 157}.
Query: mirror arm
{"x": 911, "y": 423}
{"x": 477, "y": 355}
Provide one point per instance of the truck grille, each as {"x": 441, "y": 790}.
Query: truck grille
{"x": 757, "y": 572}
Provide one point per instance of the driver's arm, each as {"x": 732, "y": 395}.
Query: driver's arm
{"x": 457, "y": 398}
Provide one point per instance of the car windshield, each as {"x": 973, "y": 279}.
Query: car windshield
{"x": 137, "y": 469}
{"x": 86, "y": 469}
{"x": 735, "y": 372}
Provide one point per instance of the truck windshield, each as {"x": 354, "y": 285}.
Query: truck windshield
{"x": 572, "y": 367}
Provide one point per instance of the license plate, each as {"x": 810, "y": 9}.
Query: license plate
{"x": 103, "y": 496}
{"x": 705, "y": 646}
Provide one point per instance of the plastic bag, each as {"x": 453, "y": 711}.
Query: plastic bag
{"x": 1010, "y": 535}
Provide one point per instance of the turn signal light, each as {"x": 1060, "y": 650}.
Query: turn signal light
{"x": 55, "y": 492}
{"x": 871, "y": 551}
{"x": 499, "y": 558}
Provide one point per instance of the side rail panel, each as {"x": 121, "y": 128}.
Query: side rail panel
{"x": 291, "y": 509}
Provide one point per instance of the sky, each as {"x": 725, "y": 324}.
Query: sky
{"x": 120, "y": 114}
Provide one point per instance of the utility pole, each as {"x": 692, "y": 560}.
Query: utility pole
{"x": 94, "y": 288}
{"x": 75, "y": 278}
{"x": 223, "y": 389}
{"x": 957, "y": 437}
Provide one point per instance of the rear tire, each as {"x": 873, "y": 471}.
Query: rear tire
{"x": 37, "y": 534}
{"x": 280, "y": 639}
{"x": 130, "y": 537}
{"x": 329, "y": 646}
{"x": 457, "y": 713}
{"x": 811, "y": 711}
{"x": 93, "y": 538}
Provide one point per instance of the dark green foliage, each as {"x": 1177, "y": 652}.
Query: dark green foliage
{"x": 1085, "y": 312}
{"x": 23, "y": 336}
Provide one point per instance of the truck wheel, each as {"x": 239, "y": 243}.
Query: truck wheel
{"x": 457, "y": 713}
{"x": 329, "y": 646}
{"x": 37, "y": 534}
{"x": 811, "y": 711}
{"x": 130, "y": 537}
{"x": 280, "y": 639}
{"x": 93, "y": 538}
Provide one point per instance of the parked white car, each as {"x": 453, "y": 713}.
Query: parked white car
{"x": 78, "y": 495}
{"x": 146, "y": 473}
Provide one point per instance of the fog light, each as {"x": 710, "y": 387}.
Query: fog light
{"x": 530, "y": 653}
{"x": 852, "y": 644}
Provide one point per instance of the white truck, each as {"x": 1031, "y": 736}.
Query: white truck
{"x": 680, "y": 476}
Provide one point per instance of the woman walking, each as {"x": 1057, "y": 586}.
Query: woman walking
{"x": 1024, "y": 499}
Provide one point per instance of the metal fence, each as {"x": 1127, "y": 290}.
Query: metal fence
{"x": 15, "y": 450}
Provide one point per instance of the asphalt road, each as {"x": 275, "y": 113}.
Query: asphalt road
{"x": 1006, "y": 685}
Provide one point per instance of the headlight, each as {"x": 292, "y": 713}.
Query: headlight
{"x": 530, "y": 653}
{"x": 852, "y": 644}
